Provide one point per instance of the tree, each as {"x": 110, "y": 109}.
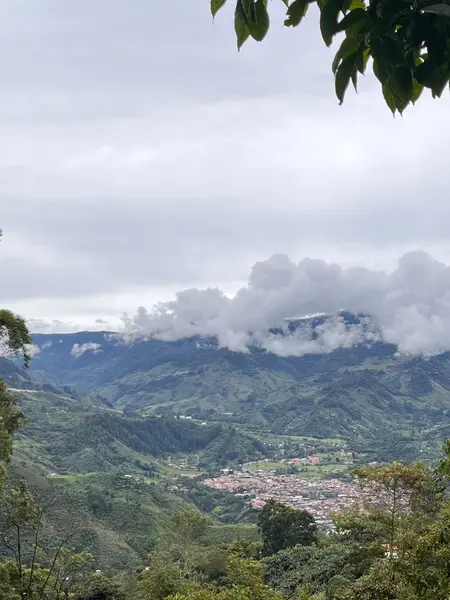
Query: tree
{"x": 36, "y": 573}
{"x": 246, "y": 584}
{"x": 183, "y": 539}
{"x": 99, "y": 587}
{"x": 397, "y": 526}
{"x": 11, "y": 420}
{"x": 407, "y": 40}
{"x": 15, "y": 339}
{"x": 284, "y": 527}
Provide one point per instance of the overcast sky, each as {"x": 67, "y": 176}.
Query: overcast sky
{"x": 141, "y": 154}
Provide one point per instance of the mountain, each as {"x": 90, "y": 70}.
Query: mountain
{"x": 367, "y": 393}
{"x": 69, "y": 434}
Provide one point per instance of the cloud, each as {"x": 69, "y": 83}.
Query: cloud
{"x": 408, "y": 307}
{"x": 61, "y": 326}
{"x": 79, "y": 349}
{"x": 33, "y": 350}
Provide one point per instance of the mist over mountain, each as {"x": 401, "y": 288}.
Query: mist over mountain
{"x": 309, "y": 349}
{"x": 409, "y": 308}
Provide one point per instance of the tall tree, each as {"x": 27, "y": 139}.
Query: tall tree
{"x": 392, "y": 524}
{"x": 185, "y": 533}
{"x": 15, "y": 340}
{"x": 11, "y": 420}
{"x": 38, "y": 573}
{"x": 284, "y": 527}
{"x": 407, "y": 40}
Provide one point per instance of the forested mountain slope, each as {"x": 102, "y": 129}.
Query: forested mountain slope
{"x": 359, "y": 393}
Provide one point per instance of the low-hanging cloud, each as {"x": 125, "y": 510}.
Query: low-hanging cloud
{"x": 79, "y": 349}
{"x": 409, "y": 307}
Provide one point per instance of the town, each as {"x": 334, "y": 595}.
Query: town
{"x": 320, "y": 497}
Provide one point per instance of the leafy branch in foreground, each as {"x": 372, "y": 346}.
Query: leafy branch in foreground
{"x": 407, "y": 40}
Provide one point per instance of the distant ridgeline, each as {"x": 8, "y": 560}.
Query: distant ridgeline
{"x": 365, "y": 392}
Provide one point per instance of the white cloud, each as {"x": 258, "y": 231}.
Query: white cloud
{"x": 79, "y": 349}
{"x": 32, "y": 350}
{"x": 409, "y": 307}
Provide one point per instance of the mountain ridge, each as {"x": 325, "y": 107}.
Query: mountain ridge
{"x": 363, "y": 392}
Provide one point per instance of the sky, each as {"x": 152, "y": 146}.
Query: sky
{"x": 141, "y": 155}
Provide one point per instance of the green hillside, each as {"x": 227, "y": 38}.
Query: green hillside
{"x": 369, "y": 395}
{"x": 67, "y": 434}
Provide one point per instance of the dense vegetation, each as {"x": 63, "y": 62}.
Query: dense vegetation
{"x": 391, "y": 406}
{"x": 393, "y": 545}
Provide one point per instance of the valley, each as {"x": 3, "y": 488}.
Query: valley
{"x": 390, "y": 405}
{"x": 126, "y": 434}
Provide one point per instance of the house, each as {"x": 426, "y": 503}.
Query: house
{"x": 388, "y": 553}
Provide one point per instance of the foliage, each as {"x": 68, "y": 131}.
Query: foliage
{"x": 11, "y": 419}
{"x": 283, "y": 527}
{"x": 35, "y": 572}
{"x": 408, "y": 41}
{"x": 392, "y": 408}
{"x": 152, "y": 436}
{"x": 185, "y": 534}
{"x": 160, "y": 579}
{"x": 15, "y": 338}
{"x": 245, "y": 584}
{"x": 313, "y": 566}
{"x": 403, "y": 510}
{"x": 14, "y": 341}
{"x": 224, "y": 506}
{"x": 98, "y": 587}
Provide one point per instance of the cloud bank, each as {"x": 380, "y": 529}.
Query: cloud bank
{"x": 80, "y": 349}
{"x": 409, "y": 307}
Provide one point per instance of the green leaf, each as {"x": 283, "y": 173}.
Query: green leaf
{"x": 355, "y": 78}
{"x": 389, "y": 98}
{"x": 380, "y": 70}
{"x": 357, "y": 4}
{"x": 417, "y": 91}
{"x": 349, "y": 46}
{"x": 389, "y": 50}
{"x": 329, "y": 19}
{"x": 240, "y": 12}
{"x": 285, "y": 2}
{"x": 295, "y": 13}
{"x": 353, "y": 17}
{"x": 216, "y": 5}
{"x": 432, "y": 76}
{"x": 438, "y": 81}
{"x": 442, "y": 10}
{"x": 240, "y": 24}
{"x": 258, "y": 20}
{"x": 401, "y": 83}
{"x": 343, "y": 76}
{"x": 362, "y": 58}
{"x": 400, "y": 104}
{"x": 424, "y": 71}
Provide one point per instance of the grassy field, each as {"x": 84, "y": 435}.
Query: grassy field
{"x": 266, "y": 466}
{"x": 322, "y": 471}
{"x": 270, "y": 437}
{"x": 308, "y": 471}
